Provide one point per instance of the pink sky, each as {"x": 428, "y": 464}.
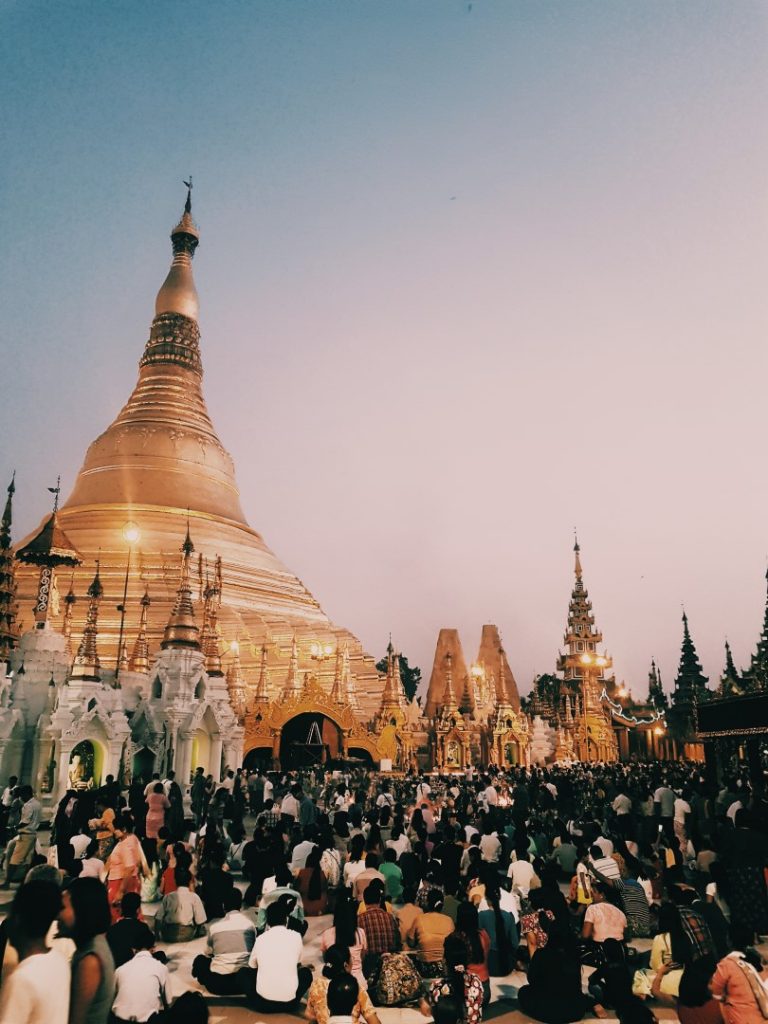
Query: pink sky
{"x": 468, "y": 278}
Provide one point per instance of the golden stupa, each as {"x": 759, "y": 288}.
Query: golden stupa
{"x": 159, "y": 467}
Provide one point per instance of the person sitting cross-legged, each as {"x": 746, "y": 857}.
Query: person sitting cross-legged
{"x": 336, "y": 963}
{"x": 126, "y": 935}
{"x": 181, "y": 915}
{"x": 230, "y": 941}
{"x": 382, "y": 934}
{"x": 142, "y": 985}
{"x": 343, "y": 993}
{"x": 273, "y": 982}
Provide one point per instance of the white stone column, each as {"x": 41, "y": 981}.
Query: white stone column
{"x": 215, "y": 765}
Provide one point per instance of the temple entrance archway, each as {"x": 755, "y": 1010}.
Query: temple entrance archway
{"x": 309, "y": 738}
{"x": 143, "y": 764}
{"x": 258, "y": 757}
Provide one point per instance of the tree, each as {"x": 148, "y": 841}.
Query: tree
{"x": 411, "y": 677}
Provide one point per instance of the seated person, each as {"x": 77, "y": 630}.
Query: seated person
{"x": 214, "y": 883}
{"x": 343, "y": 993}
{"x": 336, "y": 963}
{"x": 181, "y": 915}
{"x": 127, "y": 934}
{"x": 230, "y": 941}
{"x": 274, "y": 981}
{"x": 430, "y": 931}
{"x": 313, "y": 885}
{"x": 602, "y": 919}
{"x": 283, "y": 887}
{"x": 141, "y": 985}
{"x": 367, "y": 875}
{"x": 407, "y": 915}
{"x": 553, "y": 994}
{"x": 393, "y": 875}
{"x": 382, "y": 934}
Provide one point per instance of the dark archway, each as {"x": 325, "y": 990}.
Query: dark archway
{"x": 258, "y": 757}
{"x": 143, "y": 764}
{"x": 309, "y": 738}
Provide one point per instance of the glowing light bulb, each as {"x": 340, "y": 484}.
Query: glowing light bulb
{"x": 131, "y": 533}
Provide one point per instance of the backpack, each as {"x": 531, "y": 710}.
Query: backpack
{"x": 398, "y": 980}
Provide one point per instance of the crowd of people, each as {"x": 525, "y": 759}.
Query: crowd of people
{"x": 613, "y": 889}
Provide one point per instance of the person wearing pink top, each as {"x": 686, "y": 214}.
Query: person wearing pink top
{"x": 157, "y": 804}
{"x": 735, "y": 982}
{"x": 124, "y": 865}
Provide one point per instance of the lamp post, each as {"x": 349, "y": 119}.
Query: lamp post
{"x": 131, "y": 535}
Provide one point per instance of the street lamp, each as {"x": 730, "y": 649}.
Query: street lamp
{"x": 131, "y": 535}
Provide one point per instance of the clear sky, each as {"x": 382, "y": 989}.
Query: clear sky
{"x": 471, "y": 274}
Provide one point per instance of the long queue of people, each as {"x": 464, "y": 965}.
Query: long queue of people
{"x": 613, "y": 890}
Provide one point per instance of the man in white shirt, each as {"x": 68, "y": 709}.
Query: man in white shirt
{"x": 423, "y": 789}
{"x": 37, "y": 991}
{"x": 522, "y": 873}
{"x": 303, "y": 849}
{"x": 269, "y": 789}
{"x": 278, "y": 980}
{"x": 682, "y": 816}
{"x": 289, "y": 808}
{"x": 399, "y": 842}
{"x": 664, "y": 802}
{"x": 490, "y": 846}
{"x": 141, "y": 985}
{"x": 490, "y": 796}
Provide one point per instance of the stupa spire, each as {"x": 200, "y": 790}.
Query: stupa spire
{"x": 450, "y": 704}
{"x": 69, "y": 602}
{"x": 730, "y": 681}
{"x": 8, "y": 631}
{"x": 140, "y": 655}
{"x": 178, "y": 293}
{"x": 182, "y": 630}
{"x": 293, "y": 682}
{"x": 261, "y": 696}
{"x": 87, "y": 667}
{"x": 210, "y": 639}
{"x": 337, "y": 690}
{"x": 236, "y": 682}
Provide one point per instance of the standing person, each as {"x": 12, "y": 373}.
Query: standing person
{"x": 745, "y": 854}
{"x": 26, "y": 835}
{"x": 664, "y": 804}
{"x": 197, "y": 795}
{"x": 85, "y": 918}
{"x": 5, "y": 806}
{"x": 37, "y": 992}
{"x": 175, "y": 816}
{"x": 157, "y": 805}
{"x": 104, "y": 826}
{"x": 124, "y": 865}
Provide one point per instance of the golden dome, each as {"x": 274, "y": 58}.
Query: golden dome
{"x": 161, "y": 465}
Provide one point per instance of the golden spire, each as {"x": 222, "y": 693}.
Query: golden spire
{"x": 577, "y": 558}
{"x": 337, "y": 690}
{"x": 210, "y": 637}
{"x": 236, "y": 681}
{"x": 262, "y": 687}
{"x": 348, "y": 681}
{"x": 140, "y": 655}
{"x": 182, "y": 630}
{"x": 86, "y": 666}
{"x": 293, "y": 682}
{"x": 178, "y": 293}
{"x": 450, "y": 704}
{"x": 69, "y": 602}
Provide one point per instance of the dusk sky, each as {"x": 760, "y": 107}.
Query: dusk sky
{"x": 472, "y": 274}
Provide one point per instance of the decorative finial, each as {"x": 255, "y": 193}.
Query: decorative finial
{"x": 55, "y": 491}
{"x": 188, "y": 204}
